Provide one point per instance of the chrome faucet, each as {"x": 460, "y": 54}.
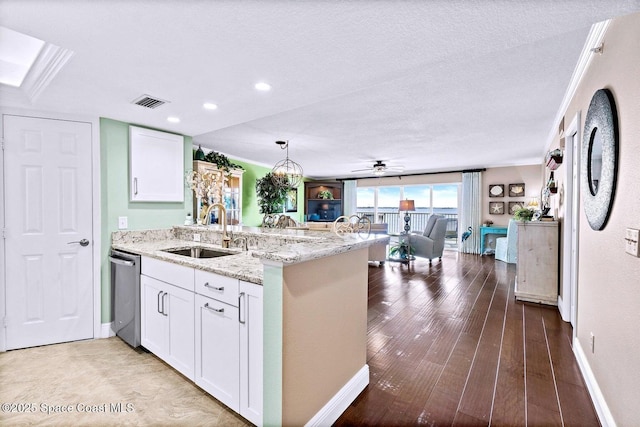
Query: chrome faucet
{"x": 245, "y": 245}
{"x": 223, "y": 220}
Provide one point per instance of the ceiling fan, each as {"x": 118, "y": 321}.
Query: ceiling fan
{"x": 380, "y": 168}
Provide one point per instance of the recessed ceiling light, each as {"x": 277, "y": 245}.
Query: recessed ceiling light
{"x": 263, "y": 86}
{"x": 209, "y": 106}
{"x": 173, "y": 119}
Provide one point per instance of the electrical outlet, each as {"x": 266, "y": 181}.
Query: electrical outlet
{"x": 123, "y": 223}
{"x": 631, "y": 241}
{"x": 196, "y": 237}
{"x": 593, "y": 343}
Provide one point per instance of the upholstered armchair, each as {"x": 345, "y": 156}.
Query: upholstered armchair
{"x": 507, "y": 247}
{"x": 430, "y": 244}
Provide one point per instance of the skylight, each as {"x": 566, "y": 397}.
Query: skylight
{"x": 18, "y": 52}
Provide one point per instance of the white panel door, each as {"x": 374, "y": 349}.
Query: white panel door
{"x": 48, "y": 212}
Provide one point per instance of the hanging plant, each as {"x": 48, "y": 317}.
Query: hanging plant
{"x": 271, "y": 198}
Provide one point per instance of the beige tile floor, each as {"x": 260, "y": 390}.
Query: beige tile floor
{"x": 101, "y": 383}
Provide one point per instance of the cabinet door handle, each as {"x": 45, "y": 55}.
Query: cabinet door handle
{"x": 207, "y": 285}
{"x": 217, "y": 310}
{"x": 158, "y": 302}
{"x": 241, "y": 309}
{"x": 135, "y": 186}
{"x": 163, "y": 312}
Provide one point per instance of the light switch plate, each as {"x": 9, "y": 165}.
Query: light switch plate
{"x": 631, "y": 241}
{"x": 196, "y": 237}
{"x": 123, "y": 223}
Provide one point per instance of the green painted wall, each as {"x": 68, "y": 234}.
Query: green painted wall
{"x": 114, "y": 175}
{"x": 251, "y": 215}
{"x": 114, "y": 189}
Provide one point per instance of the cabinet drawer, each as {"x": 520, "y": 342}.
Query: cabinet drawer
{"x": 168, "y": 272}
{"x": 216, "y": 286}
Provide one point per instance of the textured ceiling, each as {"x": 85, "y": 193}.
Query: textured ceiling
{"x": 430, "y": 85}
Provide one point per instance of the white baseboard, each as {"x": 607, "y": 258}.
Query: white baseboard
{"x": 341, "y": 400}
{"x": 107, "y": 330}
{"x": 602, "y": 409}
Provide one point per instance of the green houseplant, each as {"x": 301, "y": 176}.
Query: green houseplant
{"x": 401, "y": 250}
{"x": 523, "y": 214}
{"x": 325, "y": 194}
{"x": 271, "y": 198}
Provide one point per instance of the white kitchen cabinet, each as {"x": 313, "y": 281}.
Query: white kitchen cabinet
{"x": 167, "y": 323}
{"x": 156, "y": 166}
{"x": 251, "y": 351}
{"x": 537, "y": 266}
{"x": 213, "y": 336}
{"x": 218, "y": 350}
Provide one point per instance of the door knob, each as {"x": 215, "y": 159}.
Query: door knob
{"x": 83, "y": 242}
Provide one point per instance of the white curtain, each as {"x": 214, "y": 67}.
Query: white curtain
{"x": 471, "y": 213}
{"x": 350, "y": 197}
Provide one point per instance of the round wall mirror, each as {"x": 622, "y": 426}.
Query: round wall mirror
{"x": 595, "y": 161}
{"x": 599, "y": 165}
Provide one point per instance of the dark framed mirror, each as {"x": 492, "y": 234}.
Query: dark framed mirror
{"x": 599, "y": 165}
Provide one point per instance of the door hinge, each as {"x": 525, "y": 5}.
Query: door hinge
{"x": 4, "y": 233}
{"x": 5, "y": 322}
{"x": 2, "y": 143}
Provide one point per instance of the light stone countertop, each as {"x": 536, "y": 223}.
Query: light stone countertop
{"x": 270, "y": 245}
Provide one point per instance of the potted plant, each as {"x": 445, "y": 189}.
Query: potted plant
{"x": 523, "y": 214}
{"x": 271, "y": 198}
{"x": 401, "y": 250}
{"x": 325, "y": 194}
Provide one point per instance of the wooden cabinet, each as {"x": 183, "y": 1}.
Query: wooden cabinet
{"x": 317, "y": 207}
{"x": 232, "y": 193}
{"x": 537, "y": 266}
{"x": 156, "y": 166}
{"x": 167, "y": 323}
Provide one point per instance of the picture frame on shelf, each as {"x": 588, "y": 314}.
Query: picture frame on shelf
{"x": 291, "y": 201}
{"x": 516, "y": 190}
{"x": 496, "y": 190}
{"x": 496, "y": 208}
{"x": 514, "y": 206}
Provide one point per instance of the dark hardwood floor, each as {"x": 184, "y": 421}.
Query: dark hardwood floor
{"x": 449, "y": 345}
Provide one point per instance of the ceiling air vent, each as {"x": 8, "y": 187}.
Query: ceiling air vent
{"x": 149, "y": 101}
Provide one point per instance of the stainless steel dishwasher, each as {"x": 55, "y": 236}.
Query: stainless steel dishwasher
{"x": 125, "y": 296}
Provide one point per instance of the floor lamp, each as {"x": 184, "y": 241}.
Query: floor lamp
{"x": 406, "y": 206}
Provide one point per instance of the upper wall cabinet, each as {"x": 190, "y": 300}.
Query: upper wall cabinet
{"x": 156, "y": 166}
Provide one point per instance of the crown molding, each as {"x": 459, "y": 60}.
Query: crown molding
{"x": 49, "y": 63}
{"x": 594, "y": 38}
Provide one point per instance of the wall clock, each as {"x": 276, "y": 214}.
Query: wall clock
{"x": 496, "y": 208}
{"x": 496, "y": 190}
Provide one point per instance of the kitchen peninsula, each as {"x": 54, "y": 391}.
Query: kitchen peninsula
{"x": 314, "y": 310}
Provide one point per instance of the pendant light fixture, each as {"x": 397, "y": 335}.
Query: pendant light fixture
{"x": 286, "y": 173}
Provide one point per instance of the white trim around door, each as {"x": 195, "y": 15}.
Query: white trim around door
{"x": 95, "y": 215}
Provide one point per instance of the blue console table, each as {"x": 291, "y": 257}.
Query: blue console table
{"x": 500, "y": 231}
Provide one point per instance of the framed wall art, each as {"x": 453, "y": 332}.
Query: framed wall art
{"x": 516, "y": 190}
{"x": 291, "y": 202}
{"x": 514, "y": 206}
{"x": 496, "y": 190}
{"x": 496, "y": 208}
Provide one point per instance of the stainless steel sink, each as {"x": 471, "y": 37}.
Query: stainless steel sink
{"x": 198, "y": 252}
